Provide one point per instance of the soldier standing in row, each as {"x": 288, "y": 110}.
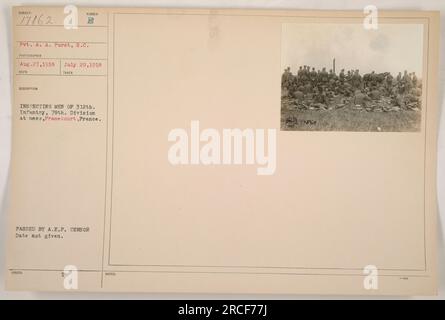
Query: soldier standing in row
{"x": 321, "y": 86}
{"x": 356, "y": 80}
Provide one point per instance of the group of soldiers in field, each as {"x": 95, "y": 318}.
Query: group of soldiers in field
{"x": 322, "y": 89}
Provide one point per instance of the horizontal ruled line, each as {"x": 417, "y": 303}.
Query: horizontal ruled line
{"x": 56, "y": 25}
{"x": 37, "y": 58}
{"x": 89, "y": 42}
{"x": 62, "y": 75}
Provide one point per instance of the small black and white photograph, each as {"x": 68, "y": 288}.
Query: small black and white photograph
{"x": 344, "y": 77}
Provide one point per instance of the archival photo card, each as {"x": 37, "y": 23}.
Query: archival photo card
{"x": 345, "y": 77}
{"x": 147, "y": 161}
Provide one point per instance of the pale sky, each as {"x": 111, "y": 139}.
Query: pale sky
{"x": 393, "y": 47}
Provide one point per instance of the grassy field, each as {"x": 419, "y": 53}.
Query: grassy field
{"x": 347, "y": 119}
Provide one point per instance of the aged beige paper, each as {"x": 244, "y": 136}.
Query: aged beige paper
{"x": 167, "y": 150}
